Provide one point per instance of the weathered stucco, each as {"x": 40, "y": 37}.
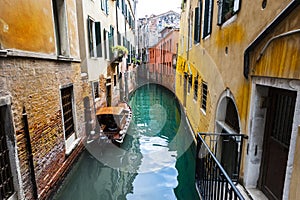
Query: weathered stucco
{"x": 28, "y": 26}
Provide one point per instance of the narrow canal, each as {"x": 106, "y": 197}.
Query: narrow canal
{"x": 156, "y": 160}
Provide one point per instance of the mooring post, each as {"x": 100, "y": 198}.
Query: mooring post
{"x": 30, "y": 156}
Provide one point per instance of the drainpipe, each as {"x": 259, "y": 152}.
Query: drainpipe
{"x": 30, "y": 156}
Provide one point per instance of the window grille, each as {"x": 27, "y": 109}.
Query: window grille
{"x": 204, "y": 96}
{"x": 96, "y": 89}
{"x": 190, "y": 83}
{"x": 67, "y": 109}
{"x": 196, "y": 89}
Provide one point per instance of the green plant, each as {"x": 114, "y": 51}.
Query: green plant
{"x": 120, "y": 49}
{"x": 135, "y": 60}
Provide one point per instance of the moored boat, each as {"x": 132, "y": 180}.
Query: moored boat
{"x": 114, "y": 121}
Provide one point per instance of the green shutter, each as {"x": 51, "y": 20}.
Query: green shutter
{"x": 98, "y": 39}
{"x": 208, "y": 11}
{"x": 196, "y": 26}
{"x": 90, "y": 36}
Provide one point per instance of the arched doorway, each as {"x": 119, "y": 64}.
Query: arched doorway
{"x": 228, "y": 124}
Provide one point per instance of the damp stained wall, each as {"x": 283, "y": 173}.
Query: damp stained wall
{"x": 28, "y": 26}
{"x": 219, "y": 58}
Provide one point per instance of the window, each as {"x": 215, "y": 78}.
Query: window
{"x": 6, "y": 183}
{"x": 190, "y": 83}
{"x": 204, "y": 96}
{"x": 105, "y": 38}
{"x": 208, "y": 12}
{"x": 98, "y": 39}
{"x": 104, "y": 6}
{"x": 94, "y": 37}
{"x": 111, "y": 41}
{"x": 231, "y": 117}
{"x": 197, "y": 22}
{"x": 91, "y": 31}
{"x": 190, "y": 42}
{"x": 123, "y": 6}
{"x": 115, "y": 80}
{"x": 119, "y": 38}
{"x": 67, "y": 110}
{"x": 196, "y": 89}
{"x": 226, "y": 9}
{"x": 60, "y": 23}
{"x": 96, "y": 89}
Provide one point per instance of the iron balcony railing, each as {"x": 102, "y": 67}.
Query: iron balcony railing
{"x": 218, "y": 160}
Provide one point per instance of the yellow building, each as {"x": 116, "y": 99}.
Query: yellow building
{"x": 238, "y": 71}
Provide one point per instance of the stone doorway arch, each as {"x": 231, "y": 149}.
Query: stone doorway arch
{"x": 228, "y": 123}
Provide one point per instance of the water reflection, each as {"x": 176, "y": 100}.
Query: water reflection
{"x": 156, "y": 160}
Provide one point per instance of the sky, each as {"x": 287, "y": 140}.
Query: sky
{"x": 148, "y": 7}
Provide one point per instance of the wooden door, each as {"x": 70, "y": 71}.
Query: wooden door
{"x": 278, "y": 129}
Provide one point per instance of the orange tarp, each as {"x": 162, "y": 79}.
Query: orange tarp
{"x": 109, "y": 110}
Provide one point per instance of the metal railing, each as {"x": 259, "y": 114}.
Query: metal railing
{"x": 212, "y": 179}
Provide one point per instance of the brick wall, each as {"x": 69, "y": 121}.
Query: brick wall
{"x": 35, "y": 85}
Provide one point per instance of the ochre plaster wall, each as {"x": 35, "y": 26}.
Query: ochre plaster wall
{"x": 27, "y": 25}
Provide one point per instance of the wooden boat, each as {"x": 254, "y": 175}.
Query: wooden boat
{"x": 114, "y": 121}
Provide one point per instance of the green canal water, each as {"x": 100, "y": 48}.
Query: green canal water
{"x": 156, "y": 160}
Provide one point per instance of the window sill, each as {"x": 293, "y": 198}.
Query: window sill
{"x": 30, "y": 54}
{"x": 72, "y": 146}
{"x": 203, "y": 111}
{"x": 228, "y": 21}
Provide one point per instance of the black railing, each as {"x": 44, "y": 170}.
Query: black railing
{"x": 218, "y": 165}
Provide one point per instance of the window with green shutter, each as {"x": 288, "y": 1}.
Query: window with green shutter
{"x": 98, "y": 39}
{"x": 208, "y": 12}
{"x": 197, "y": 23}
{"x": 90, "y": 26}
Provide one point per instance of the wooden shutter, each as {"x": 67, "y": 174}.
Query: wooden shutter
{"x": 90, "y": 36}
{"x": 98, "y": 39}
{"x": 196, "y": 26}
{"x": 206, "y": 14}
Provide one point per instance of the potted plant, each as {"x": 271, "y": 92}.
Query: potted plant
{"x": 119, "y": 51}
{"x": 136, "y": 61}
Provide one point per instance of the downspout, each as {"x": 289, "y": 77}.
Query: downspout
{"x": 30, "y": 156}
